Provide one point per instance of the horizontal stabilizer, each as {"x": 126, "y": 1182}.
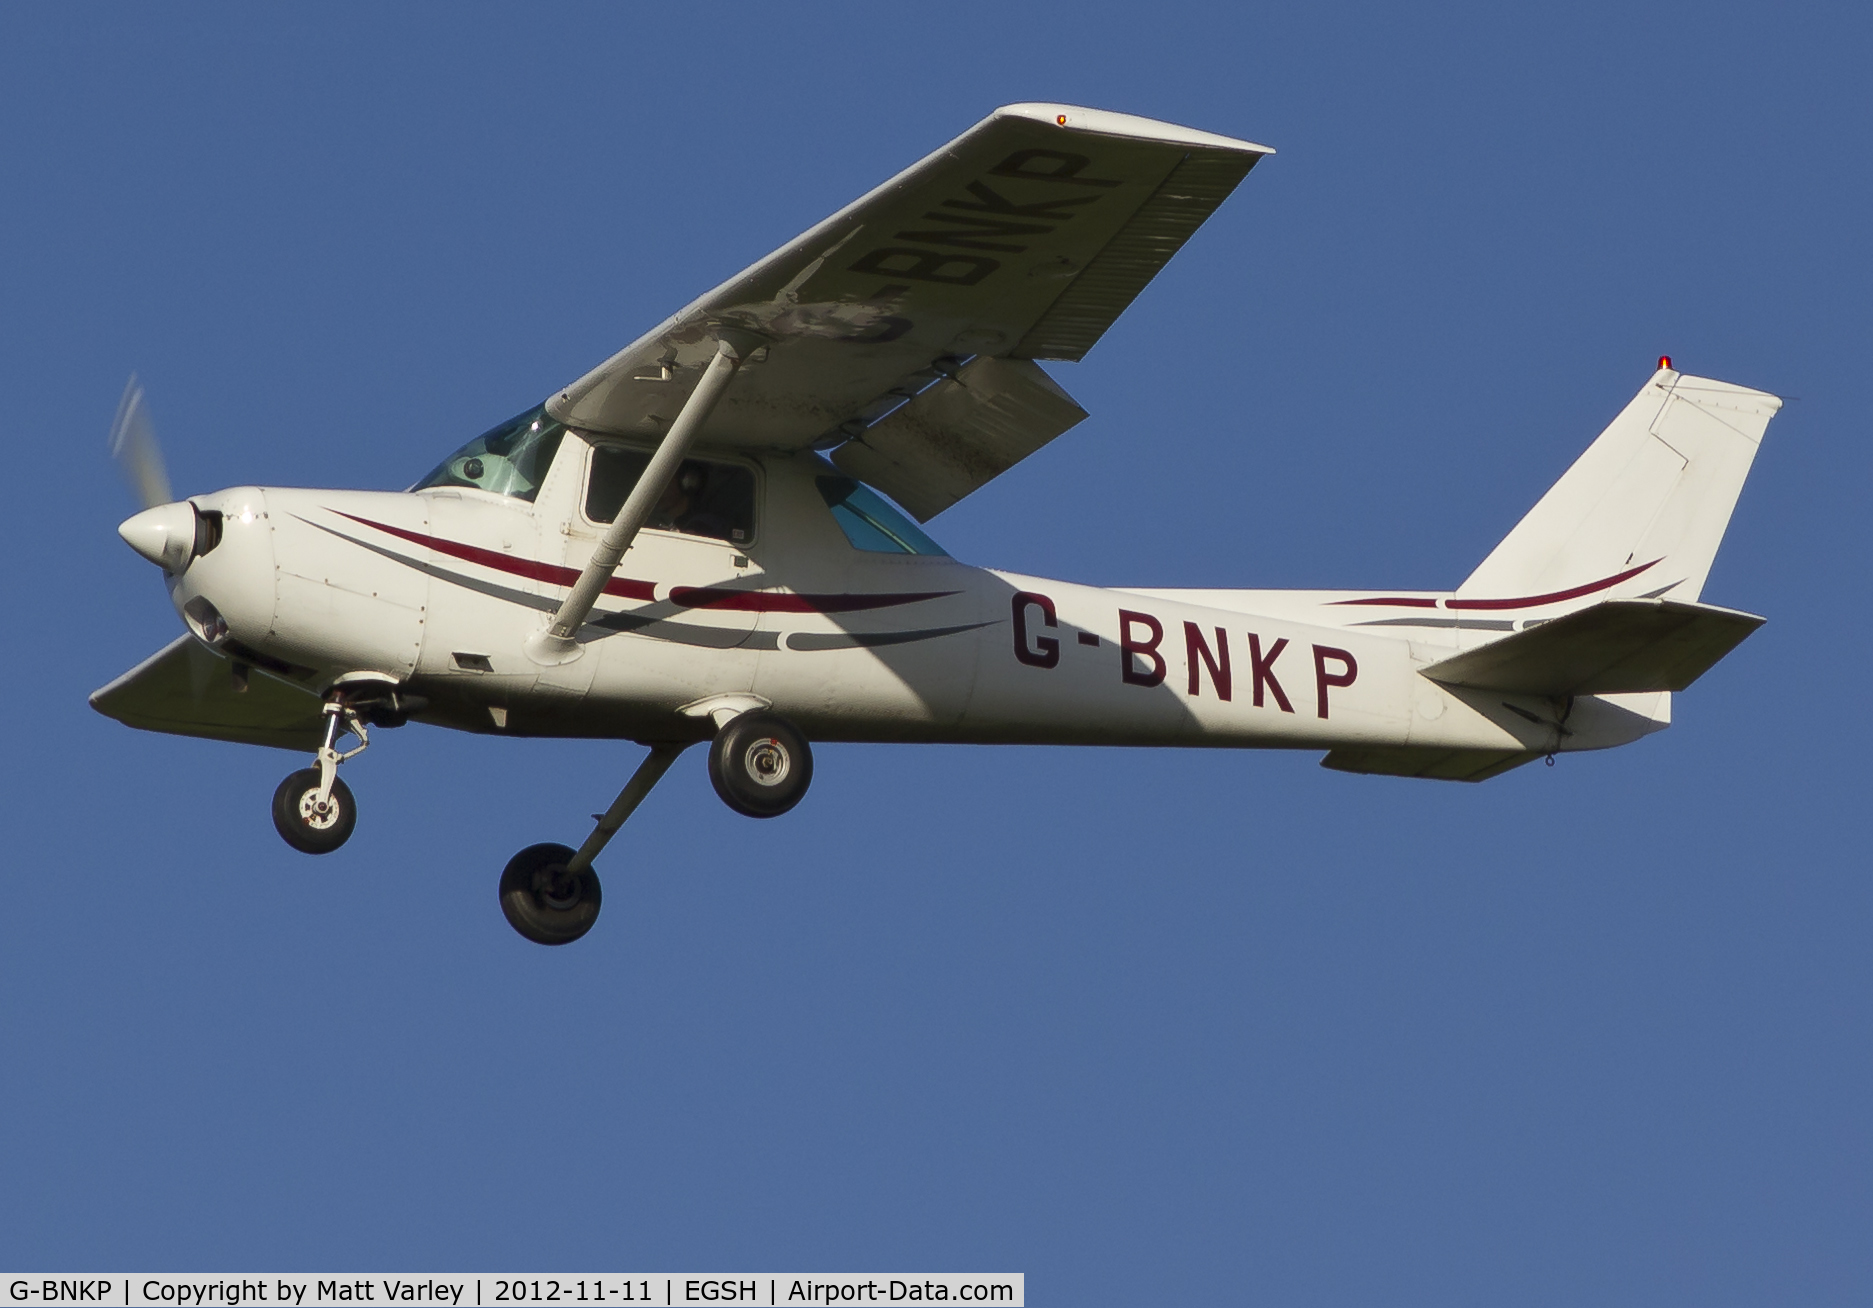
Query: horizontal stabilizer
{"x": 186, "y": 689}
{"x": 1616, "y": 647}
{"x": 960, "y": 433}
{"x": 1430, "y": 762}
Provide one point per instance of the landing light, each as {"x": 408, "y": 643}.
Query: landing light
{"x": 205, "y": 621}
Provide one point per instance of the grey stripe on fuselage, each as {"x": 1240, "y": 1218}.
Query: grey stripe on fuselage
{"x": 650, "y": 620}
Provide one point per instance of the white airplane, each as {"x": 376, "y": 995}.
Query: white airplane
{"x": 688, "y": 543}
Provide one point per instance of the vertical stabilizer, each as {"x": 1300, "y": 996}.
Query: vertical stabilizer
{"x": 1650, "y": 498}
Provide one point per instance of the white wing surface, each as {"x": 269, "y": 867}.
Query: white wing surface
{"x": 1024, "y": 238}
{"x": 187, "y": 689}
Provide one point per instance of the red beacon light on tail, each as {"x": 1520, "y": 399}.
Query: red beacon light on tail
{"x": 1664, "y": 361}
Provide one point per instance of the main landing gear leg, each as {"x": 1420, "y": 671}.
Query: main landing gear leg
{"x": 313, "y": 810}
{"x": 549, "y": 893}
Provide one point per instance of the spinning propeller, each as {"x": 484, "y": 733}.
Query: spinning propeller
{"x": 169, "y": 533}
{"x": 133, "y": 445}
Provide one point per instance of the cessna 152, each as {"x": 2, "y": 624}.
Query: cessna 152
{"x": 688, "y": 544}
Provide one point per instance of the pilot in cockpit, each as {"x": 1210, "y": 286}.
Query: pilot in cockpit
{"x": 683, "y": 507}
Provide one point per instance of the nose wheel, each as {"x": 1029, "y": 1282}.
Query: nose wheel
{"x": 310, "y": 818}
{"x": 313, "y": 810}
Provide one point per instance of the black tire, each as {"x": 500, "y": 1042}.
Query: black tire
{"x": 304, "y": 828}
{"x": 760, "y": 764}
{"x": 544, "y": 902}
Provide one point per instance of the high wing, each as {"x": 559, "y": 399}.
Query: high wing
{"x": 186, "y": 689}
{"x": 1022, "y": 239}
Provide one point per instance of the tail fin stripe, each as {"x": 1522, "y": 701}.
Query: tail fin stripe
{"x": 1552, "y": 597}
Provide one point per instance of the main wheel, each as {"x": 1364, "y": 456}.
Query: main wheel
{"x": 543, "y": 901}
{"x": 307, "y": 825}
{"x": 760, "y": 764}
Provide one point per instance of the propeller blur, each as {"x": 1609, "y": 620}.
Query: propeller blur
{"x": 133, "y": 445}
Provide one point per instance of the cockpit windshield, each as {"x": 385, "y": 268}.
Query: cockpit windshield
{"x": 510, "y": 460}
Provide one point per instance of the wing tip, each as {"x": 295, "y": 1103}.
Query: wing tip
{"x": 1105, "y": 122}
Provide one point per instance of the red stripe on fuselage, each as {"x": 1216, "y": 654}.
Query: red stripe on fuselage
{"x": 689, "y": 597}
{"x": 532, "y": 569}
{"x": 1519, "y": 602}
{"x": 773, "y": 601}
{"x": 1393, "y": 601}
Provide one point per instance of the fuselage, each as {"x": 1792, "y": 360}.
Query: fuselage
{"x": 440, "y": 588}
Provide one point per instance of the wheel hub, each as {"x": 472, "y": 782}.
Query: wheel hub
{"x": 320, "y": 817}
{"x": 767, "y": 762}
{"x": 557, "y": 888}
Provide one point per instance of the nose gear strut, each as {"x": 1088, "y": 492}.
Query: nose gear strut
{"x": 329, "y": 757}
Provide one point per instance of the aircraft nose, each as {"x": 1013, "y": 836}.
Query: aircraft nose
{"x": 167, "y": 535}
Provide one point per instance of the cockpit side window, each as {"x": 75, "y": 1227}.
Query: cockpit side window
{"x": 707, "y": 498}
{"x": 869, "y": 522}
{"x": 510, "y": 460}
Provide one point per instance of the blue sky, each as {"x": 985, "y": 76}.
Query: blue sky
{"x": 1149, "y": 1026}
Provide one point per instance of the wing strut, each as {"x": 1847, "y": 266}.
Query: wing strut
{"x": 648, "y": 773}
{"x": 557, "y": 644}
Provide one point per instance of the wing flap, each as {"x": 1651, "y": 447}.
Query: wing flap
{"x": 187, "y": 689}
{"x": 1615, "y": 647}
{"x": 960, "y": 433}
